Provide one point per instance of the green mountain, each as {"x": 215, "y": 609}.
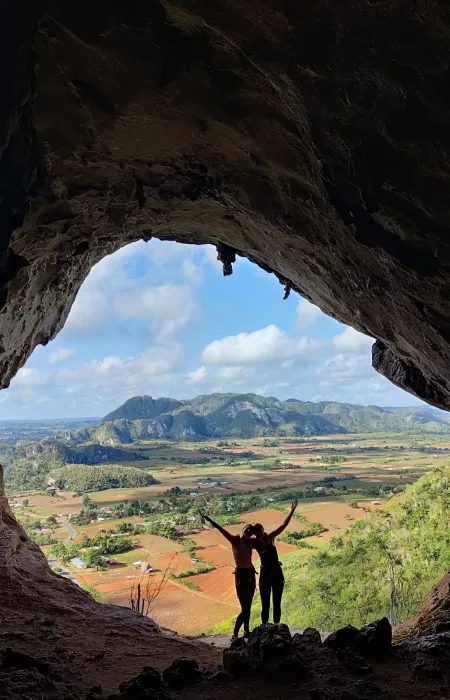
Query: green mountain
{"x": 250, "y": 415}
{"x": 143, "y": 407}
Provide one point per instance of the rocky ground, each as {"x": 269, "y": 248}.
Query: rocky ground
{"x": 351, "y": 664}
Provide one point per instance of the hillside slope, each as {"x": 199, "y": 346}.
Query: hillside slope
{"x": 250, "y": 415}
{"x": 405, "y": 547}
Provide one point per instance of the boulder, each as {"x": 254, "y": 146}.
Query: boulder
{"x": 182, "y": 672}
{"x": 311, "y": 636}
{"x": 342, "y": 638}
{"x": 147, "y": 685}
{"x": 375, "y": 639}
{"x": 353, "y": 661}
{"x": 269, "y": 653}
{"x": 217, "y": 674}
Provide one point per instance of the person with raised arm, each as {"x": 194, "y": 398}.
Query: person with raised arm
{"x": 244, "y": 572}
{"x": 271, "y": 579}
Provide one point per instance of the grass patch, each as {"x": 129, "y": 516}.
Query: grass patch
{"x": 188, "y": 584}
{"x": 202, "y": 568}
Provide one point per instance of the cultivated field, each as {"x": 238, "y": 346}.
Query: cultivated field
{"x": 188, "y": 605}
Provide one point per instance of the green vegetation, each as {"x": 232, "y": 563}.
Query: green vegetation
{"x": 28, "y": 473}
{"x": 250, "y": 415}
{"x": 97, "y": 547}
{"x": 201, "y": 568}
{"x": 384, "y": 565}
{"x": 188, "y": 584}
{"x": 313, "y": 529}
{"x": 83, "y": 478}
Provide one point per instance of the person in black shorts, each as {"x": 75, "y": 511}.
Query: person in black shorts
{"x": 244, "y": 573}
{"x": 271, "y": 579}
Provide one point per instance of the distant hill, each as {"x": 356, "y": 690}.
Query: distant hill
{"x": 249, "y": 415}
{"x": 94, "y": 453}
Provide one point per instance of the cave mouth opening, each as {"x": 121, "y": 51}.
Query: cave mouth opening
{"x": 163, "y": 288}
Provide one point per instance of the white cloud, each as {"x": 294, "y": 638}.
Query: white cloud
{"x": 307, "y": 314}
{"x": 192, "y": 272}
{"x": 29, "y": 377}
{"x": 233, "y": 372}
{"x": 61, "y": 354}
{"x": 171, "y": 306}
{"x": 210, "y": 253}
{"x": 197, "y": 376}
{"x": 153, "y": 362}
{"x": 344, "y": 368}
{"x": 351, "y": 340}
{"x": 88, "y": 313}
{"x": 265, "y": 345}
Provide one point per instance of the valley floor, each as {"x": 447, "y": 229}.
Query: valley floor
{"x": 202, "y": 601}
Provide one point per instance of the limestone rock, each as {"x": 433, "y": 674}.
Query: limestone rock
{"x": 375, "y": 638}
{"x": 311, "y": 636}
{"x": 353, "y": 661}
{"x": 182, "y": 672}
{"x": 269, "y": 653}
{"x": 147, "y": 684}
{"x": 299, "y": 135}
{"x": 342, "y": 638}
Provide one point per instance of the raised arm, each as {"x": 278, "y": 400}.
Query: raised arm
{"x": 285, "y": 522}
{"x": 231, "y": 538}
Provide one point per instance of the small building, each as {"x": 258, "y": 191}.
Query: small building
{"x": 76, "y": 561}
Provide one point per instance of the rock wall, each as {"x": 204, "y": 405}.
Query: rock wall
{"x": 311, "y": 137}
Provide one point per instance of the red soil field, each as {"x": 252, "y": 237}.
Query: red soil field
{"x": 154, "y": 544}
{"x": 177, "y": 561}
{"x": 217, "y": 584}
{"x": 181, "y": 609}
{"x": 217, "y": 555}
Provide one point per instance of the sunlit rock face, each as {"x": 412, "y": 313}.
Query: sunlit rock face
{"x": 311, "y": 137}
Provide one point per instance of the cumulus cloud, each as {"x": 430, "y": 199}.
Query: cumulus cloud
{"x": 29, "y": 377}
{"x": 153, "y": 362}
{"x": 307, "y": 314}
{"x": 236, "y": 372}
{"x": 351, "y": 340}
{"x": 88, "y": 314}
{"x": 61, "y": 354}
{"x": 344, "y": 368}
{"x": 171, "y": 306}
{"x": 265, "y": 345}
{"x": 197, "y": 376}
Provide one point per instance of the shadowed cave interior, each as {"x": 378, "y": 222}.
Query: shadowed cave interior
{"x": 310, "y": 137}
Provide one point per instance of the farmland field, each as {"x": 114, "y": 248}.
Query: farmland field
{"x": 337, "y": 478}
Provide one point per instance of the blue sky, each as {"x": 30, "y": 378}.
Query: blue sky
{"x": 159, "y": 318}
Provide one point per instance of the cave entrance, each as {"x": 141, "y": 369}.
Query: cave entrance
{"x": 159, "y": 318}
